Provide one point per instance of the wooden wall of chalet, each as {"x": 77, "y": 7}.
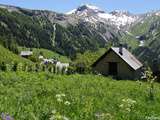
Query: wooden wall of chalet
{"x": 124, "y": 70}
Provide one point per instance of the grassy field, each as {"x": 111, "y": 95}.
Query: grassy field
{"x": 47, "y": 54}
{"x": 42, "y": 96}
{"x": 8, "y": 57}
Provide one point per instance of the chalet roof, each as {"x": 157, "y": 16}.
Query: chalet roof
{"x": 26, "y": 53}
{"x": 126, "y": 56}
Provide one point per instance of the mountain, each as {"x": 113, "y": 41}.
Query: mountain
{"x": 93, "y": 14}
{"x": 65, "y": 34}
{"x": 84, "y": 28}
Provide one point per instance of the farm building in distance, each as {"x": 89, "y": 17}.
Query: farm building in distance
{"x": 26, "y": 54}
{"x": 118, "y": 62}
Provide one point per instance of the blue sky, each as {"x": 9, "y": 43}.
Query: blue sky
{"x": 134, "y": 6}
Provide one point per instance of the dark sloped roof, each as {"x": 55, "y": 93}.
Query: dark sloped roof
{"x": 126, "y": 56}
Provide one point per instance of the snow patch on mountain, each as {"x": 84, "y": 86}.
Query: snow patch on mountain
{"x": 83, "y": 9}
{"x": 118, "y": 20}
{"x": 93, "y": 14}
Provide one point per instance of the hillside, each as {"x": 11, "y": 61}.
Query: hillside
{"x": 8, "y": 57}
{"x": 87, "y": 28}
{"x": 89, "y": 57}
{"x": 41, "y": 96}
{"x": 149, "y": 53}
{"x": 47, "y": 54}
{"x": 54, "y": 31}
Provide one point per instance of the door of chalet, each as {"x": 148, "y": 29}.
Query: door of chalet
{"x": 113, "y": 68}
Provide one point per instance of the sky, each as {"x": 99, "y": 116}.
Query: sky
{"x": 63, "y": 6}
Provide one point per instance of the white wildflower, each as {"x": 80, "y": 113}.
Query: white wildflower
{"x": 67, "y": 103}
{"x": 58, "y": 95}
{"x": 128, "y": 109}
{"x": 63, "y": 95}
{"x": 127, "y": 105}
{"x": 65, "y": 118}
{"x": 59, "y": 100}
{"x": 121, "y": 106}
{"x": 54, "y": 111}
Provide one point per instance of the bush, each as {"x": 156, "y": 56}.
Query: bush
{"x": 3, "y": 66}
{"x": 33, "y": 58}
{"x": 15, "y": 66}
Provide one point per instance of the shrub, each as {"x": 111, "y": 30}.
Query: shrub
{"x": 15, "y": 66}
{"x": 33, "y": 58}
{"x": 3, "y": 66}
{"x": 148, "y": 74}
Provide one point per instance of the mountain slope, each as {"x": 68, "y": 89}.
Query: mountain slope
{"x": 82, "y": 29}
{"x": 8, "y": 57}
{"x": 150, "y": 52}
{"x": 47, "y": 54}
{"x": 54, "y": 31}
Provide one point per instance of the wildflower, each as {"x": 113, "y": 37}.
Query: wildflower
{"x": 65, "y": 118}
{"x": 127, "y": 105}
{"x": 57, "y": 116}
{"x": 67, "y": 103}
{"x": 59, "y": 100}
{"x": 53, "y": 111}
{"x": 3, "y": 116}
{"x": 58, "y": 96}
{"x": 6, "y": 117}
{"x": 128, "y": 109}
{"x": 121, "y": 106}
{"x": 63, "y": 95}
{"x": 104, "y": 116}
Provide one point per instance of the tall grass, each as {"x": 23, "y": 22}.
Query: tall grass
{"x": 8, "y": 57}
{"x": 43, "y": 96}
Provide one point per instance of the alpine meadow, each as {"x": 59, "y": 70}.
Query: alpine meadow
{"x": 85, "y": 64}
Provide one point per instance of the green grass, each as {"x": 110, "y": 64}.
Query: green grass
{"x": 48, "y": 54}
{"x": 90, "y": 57}
{"x": 8, "y": 56}
{"x": 32, "y": 96}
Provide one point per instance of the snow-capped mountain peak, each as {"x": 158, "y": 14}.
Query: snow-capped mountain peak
{"x": 92, "y": 7}
{"x": 84, "y": 9}
{"x": 94, "y": 14}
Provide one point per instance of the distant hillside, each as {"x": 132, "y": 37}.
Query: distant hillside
{"x": 8, "y": 57}
{"x": 47, "y": 54}
{"x": 150, "y": 52}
